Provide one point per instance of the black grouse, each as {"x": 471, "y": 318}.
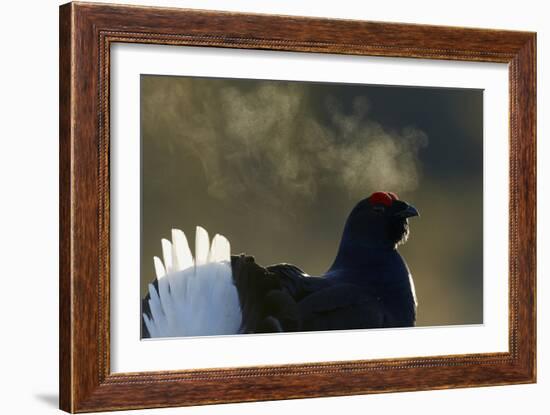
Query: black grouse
{"x": 369, "y": 284}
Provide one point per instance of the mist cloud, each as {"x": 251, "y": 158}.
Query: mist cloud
{"x": 277, "y": 142}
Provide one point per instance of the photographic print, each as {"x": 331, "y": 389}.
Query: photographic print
{"x": 275, "y": 206}
{"x": 343, "y": 207}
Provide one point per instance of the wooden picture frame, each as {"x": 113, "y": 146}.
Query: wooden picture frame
{"x": 86, "y": 33}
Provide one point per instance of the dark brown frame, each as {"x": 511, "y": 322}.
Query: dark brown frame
{"x": 86, "y": 33}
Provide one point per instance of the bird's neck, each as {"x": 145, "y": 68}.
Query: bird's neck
{"x": 358, "y": 254}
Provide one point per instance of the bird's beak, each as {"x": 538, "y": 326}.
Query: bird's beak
{"x": 408, "y": 211}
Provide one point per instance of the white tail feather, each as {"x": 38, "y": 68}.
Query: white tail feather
{"x": 220, "y": 251}
{"x": 181, "y": 253}
{"x": 202, "y": 246}
{"x": 159, "y": 267}
{"x": 167, "y": 255}
{"x": 196, "y": 297}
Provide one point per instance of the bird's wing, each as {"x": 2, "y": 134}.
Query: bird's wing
{"x": 294, "y": 281}
{"x": 270, "y": 296}
{"x": 253, "y": 283}
{"x": 341, "y": 307}
{"x": 289, "y": 270}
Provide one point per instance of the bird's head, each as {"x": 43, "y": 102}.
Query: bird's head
{"x": 380, "y": 219}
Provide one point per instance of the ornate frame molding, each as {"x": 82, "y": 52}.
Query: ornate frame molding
{"x": 86, "y": 33}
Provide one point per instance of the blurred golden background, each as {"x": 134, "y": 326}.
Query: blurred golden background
{"x": 276, "y": 167}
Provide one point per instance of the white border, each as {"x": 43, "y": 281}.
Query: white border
{"x": 130, "y": 354}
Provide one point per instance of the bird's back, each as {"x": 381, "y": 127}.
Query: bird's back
{"x": 372, "y": 292}
{"x": 300, "y": 302}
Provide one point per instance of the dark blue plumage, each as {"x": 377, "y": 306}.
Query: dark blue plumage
{"x": 368, "y": 285}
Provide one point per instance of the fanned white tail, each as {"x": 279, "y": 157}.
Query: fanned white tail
{"x": 196, "y": 297}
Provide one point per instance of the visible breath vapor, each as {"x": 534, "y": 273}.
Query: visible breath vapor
{"x": 259, "y": 142}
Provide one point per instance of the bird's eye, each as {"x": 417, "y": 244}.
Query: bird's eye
{"x": 379, "y": 209}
